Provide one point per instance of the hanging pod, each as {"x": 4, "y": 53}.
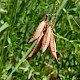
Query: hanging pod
{"x": 46, "y": 39}
{"x": 52, "y": 45}
{"x": 37, "y": 47}
{"x": 39, "y": 30}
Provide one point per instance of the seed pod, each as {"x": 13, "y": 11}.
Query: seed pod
{"x": 39, "y": 29}
{"x": 46, "y": 39}
{"x": 52, "y": 45}
{"x": 37, "y": 47}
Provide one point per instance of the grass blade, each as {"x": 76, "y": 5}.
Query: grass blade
{"x": 4, "y": 26}
{"x": 59, "y": 10}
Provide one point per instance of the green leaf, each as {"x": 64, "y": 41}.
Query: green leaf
{"x": 4, "y": 26}
{"x": 30, "y": 74}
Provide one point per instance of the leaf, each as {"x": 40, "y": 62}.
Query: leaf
{"x": 4, "y": 26}
{"x": 37, "y": 47}
{"x": 46, "y": 39}
{"x": 52, "y": 46}
{"x": 30, "y": 74}
{"x": 2, "y": 10}
{"x": 38, "y": 31}
{"x": 26, "y": 69}
{"x": 9, "y": 40}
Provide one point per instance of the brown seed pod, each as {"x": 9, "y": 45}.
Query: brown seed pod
{"x": 39, "y": 29}
{"x": 46, "y": 39}
{"x": 37, "y": 47}
{"x": 52, "y": 45}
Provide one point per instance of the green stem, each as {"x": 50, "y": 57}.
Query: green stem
{"x": 69, "y": 22}
{"x": 59, "y": 36}
{"x": 4, "y": 41}
{"x": 76, "y": 22}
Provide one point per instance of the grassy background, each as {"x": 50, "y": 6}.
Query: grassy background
{"x": 18, "y": 21}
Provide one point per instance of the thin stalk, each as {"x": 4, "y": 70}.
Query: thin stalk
{"x": 59, "y": 36}
{"x": 4, "y": 41}
{"x": 76, "y": 22}
{"x": 69, "y": 22}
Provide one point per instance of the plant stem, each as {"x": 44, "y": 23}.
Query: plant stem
{"x": 4, "y": 41}
{"x": 69, "y": 22}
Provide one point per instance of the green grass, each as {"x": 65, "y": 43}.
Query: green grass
{"x": 19, "y": 20}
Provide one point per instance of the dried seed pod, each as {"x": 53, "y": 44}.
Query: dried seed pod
{"x": 39, "y": 29}
{"x": 52, "y": 45}
{"x": 37, "y": 47}
{"x": 46, "y": 39}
